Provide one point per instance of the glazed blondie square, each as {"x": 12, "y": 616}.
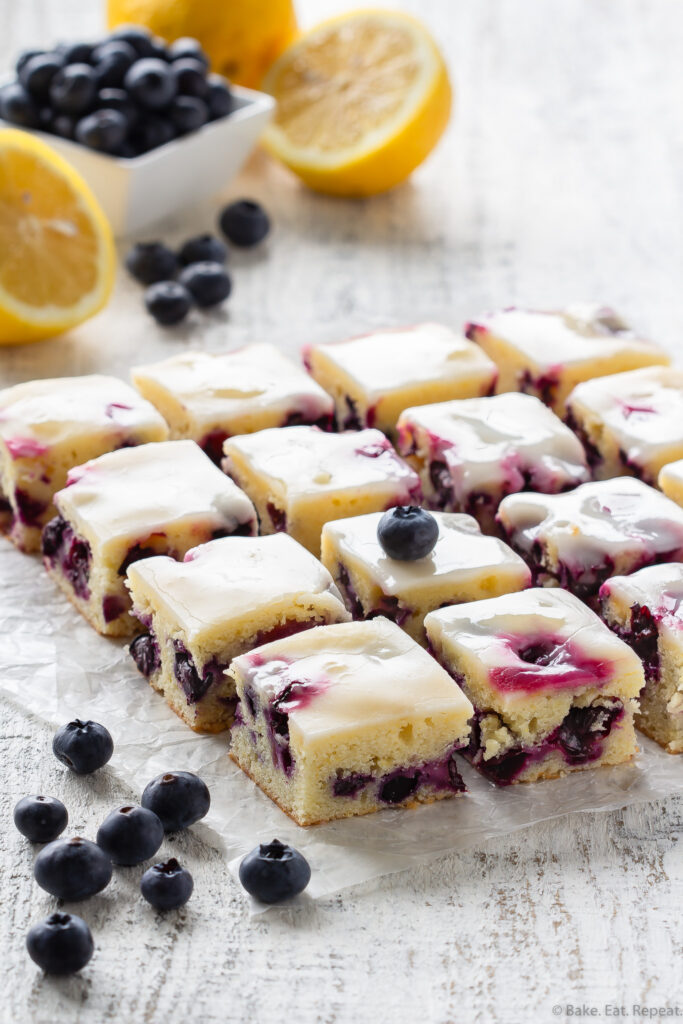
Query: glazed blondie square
{"x": 373, "y": 378}
{"x": 207, "y": 396}
{"x": 158, "y": 499}
{"x": 646, "y": 610}
{"x": 471, "y": 453}
{"x": 49, "y": 426}
{"x": 630, "y": 422}
{"x": 579, "y": 539}
{"x": 554, "y": 690}
{"x": 548, "y": 353}
{"x": 348, "y": 719}
{"x": 464, "y": 565}
{"x": 299, "y": 478}
{"x": 226, "y": 597}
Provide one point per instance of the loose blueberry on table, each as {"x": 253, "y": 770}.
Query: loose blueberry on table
{"x": 167, "y": 886}
{"x": 83, "y": 746}
{"x": 162, "y": 92}
{"x": 407, "y": 533}
{"x": 207, "y": 282}
{"x": 201, "y": 248}
{"x": 274, "y": 872}
{"x": 72, "y": 869}
{"x": 149, "y": 262}
{"x": 244, "y": 222}
{"x": 130, "y": 834}
{"x": 179, "y": 799}
{"x": 61, "y": 944}
{"x": 168, "y": 302}
{"x": 40, "y": 818}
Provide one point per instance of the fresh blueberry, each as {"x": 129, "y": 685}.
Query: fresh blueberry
{"x": 178, "y": 798}
{"x": 17, "y": 107}
{"x": 186, "y": 48}
{"x": 208, "y": 283}
{"x": 274, "y": 872}
{"x": 83, "y": 746}
{"x": 63, "y": 125}
{"x": 40, "y": 818}
{"x": 37, "y": 73}
{"x": 151, "y": 83}
{"x": 118, "y": 99}
{"x": 149, "y": 262}
{"x": 76, "y": 53}
{"x": 168, "y": 302}
{"x": 167, "y": 886}
{"x": 190, "y": 77}
{"x": 137, "y": 37}
{"x": 151, "y": 132}
{"x": 110, "y": 70}
{"x": 219, "y": 97}
{"x": 122, "y": 51}
{"x": 72, "y": 869}
{"x": 244, "y": 222}
{"x": 188, "y": 113}
{"x": 407, "y": 533}
{"x": 103, "y": 130}
{"x": 72, "y": 90}
{"x": 61, "y": 944}
{"x": 130, "y": 834}
{"x": 202, "y": 248}
{"x": 159, "y": 49}
{"x": 25, "y": 57}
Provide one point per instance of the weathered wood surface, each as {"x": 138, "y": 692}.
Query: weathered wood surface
{"x": 561, "y": 178}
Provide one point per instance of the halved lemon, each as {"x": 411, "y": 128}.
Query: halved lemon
{"x": 362, "y": 100}
{"x": 57, "y": 258}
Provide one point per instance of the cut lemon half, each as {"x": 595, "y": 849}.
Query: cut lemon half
{"x": 57, "y": 258}
{"x": 362, "y": 100}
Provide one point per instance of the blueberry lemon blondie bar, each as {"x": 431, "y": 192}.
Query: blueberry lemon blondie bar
{"x": 471, "y": 453}
{"x": 375, "y": 377}
{"x": 579, "y": 539}
{"x": 224, "y": 598}
{"x": 464, "y": 565}
{"x": 646, "y": 610}
{"x": 553, "y": 689}
{"x": 348, "y": 719}
{"x": 548, "y": 353}
{"x": 630, "y": 422}
{"x": 49, "y": 426}
{"x": 207, "y": 396}
{"x": 300, "y": 477}
{"x": 156, "y": 499}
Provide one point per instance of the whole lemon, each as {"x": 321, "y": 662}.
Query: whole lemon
{"x": 241, "y": 37}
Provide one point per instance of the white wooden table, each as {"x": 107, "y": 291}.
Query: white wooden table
{"x": 561, "y": 178}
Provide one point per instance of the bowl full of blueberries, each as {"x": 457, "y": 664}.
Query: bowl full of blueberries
{"x": 147, "y": 123}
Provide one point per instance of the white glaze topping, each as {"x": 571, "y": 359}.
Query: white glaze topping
{"x": 225, "y": 387}
{"x": 656, "y": 587}
{"x": 392, "y": 359}
{"x": 605, "y": 518}
{"x": 353, "y": 676}
{"x": 564, "y": 337}
{"x": 643, "y": 409}
{"x": 135, "y": 491}
{"x": 308, "y": 461}
{"x": 41, "y": 413}
{"x": 461, "y": 554}
{"x": 496, "y": 442}
{"x": 226, "y": 579}
{"x": 494, "y": 631}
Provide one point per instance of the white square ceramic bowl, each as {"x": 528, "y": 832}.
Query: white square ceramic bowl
{"x": 134, "y": 193}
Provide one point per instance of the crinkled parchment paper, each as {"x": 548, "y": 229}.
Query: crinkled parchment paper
{"x": 55, "y": 666}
